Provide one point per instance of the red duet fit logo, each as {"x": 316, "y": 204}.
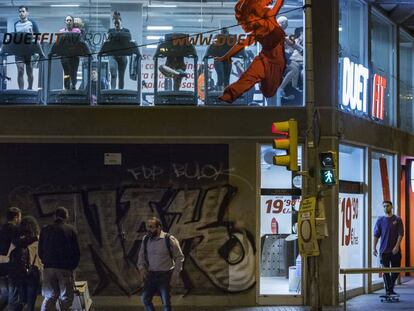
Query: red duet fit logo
{"x": 378, "y": 93}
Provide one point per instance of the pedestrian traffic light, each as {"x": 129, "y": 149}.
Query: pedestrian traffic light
{"x": 289, "y": 142}
{"x": 329, "y": 164}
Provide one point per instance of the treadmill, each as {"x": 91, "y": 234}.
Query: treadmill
{"x": 69, "y": 44}
{"x": 212, "y": 96}
{"x": 17, "y": 96}
{"x": 120, "y": 45}
{"x": 170, "y": 48}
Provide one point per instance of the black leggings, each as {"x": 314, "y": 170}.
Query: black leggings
{"x": 70, "y": 68}
{"x": 121, "y": 63}
{"x": 223, "y": 70}
{"x": 387, "y": 260}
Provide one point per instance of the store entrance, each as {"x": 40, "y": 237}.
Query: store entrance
{"x": 407, "y": 213}
{"x": 280, "y": 273}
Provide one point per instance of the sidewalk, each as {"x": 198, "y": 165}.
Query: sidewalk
{"x": 360, "y": 303}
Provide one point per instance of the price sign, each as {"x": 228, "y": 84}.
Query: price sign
{"x": 276, "y": 214}
{"x": 351, "y": 222}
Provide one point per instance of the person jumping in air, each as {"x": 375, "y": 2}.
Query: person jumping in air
{"x": 259, "y": 22}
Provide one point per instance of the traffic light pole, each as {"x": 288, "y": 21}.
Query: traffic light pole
{"x": 310, "y": 185}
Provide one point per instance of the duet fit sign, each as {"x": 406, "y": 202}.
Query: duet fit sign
{"x": 355, "y": 88}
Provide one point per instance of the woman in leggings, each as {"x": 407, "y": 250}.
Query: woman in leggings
{"x": 117, "y": 64}
{"x": 70, "y": 64}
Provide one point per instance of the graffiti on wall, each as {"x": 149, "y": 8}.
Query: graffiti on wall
{"x": 110, "y": 221}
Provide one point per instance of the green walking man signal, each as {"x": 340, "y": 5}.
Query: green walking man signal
{"x": 329, "y": 165}
{"x": 289, "y": 142}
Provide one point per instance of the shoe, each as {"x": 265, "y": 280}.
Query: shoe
{"x": 168, "y": 72}
{"x": 182, "y": 73}
{"x": 391, "y": 292}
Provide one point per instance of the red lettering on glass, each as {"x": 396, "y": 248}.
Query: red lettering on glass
{"x": 378, "y": 93}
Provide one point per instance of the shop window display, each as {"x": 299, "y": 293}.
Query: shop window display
{"x": 148, "y": 24}
{"x": 351, "y": 213}
{"x": 406, "y": 82}
{"x": 383, "y": 188}
{"x": 383, "y": 62}
{"x": 353, "y": 42}
{"x": 280, "y": 262}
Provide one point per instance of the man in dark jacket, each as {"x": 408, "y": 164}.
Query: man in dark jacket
{"x": 59, "y": 252}
{"x": 8, "y": 233}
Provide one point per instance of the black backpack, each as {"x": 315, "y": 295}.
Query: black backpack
{"x": 19, "y": 263}
{"x": 167, "y": 244}
{"x": 4, "y": 249}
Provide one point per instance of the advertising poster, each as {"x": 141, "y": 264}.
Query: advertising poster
{"x": 308, "y": 244}
{"x": 351, "y": 235}
{"x": 276, "y": 213}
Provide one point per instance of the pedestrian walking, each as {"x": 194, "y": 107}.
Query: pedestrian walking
{"x": 60, "y": 255}
{"x": 160, "y": 260}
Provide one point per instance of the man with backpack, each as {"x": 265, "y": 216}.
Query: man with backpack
{"x": 160, "y": 259}
{"x": 9, "y": 232}
{"x": 60, "y": 255}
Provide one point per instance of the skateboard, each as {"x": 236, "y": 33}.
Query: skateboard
{"x": 390, "y": 298}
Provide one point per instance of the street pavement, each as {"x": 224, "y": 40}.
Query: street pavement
{"x": 369, "y": 302}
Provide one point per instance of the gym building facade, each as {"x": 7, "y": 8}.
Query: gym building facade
{"x": 121, "y": 130}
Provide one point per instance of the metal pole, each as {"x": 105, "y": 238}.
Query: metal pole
{"x": 310, "y": 186}
{"x": 344, "y": 292}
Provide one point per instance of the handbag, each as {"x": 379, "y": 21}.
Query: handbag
{"x": 33, "y": 271}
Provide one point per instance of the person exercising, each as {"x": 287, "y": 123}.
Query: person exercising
{"x": 117, "y": 64}
{"x": 70, "y": 64}
{"x": 25, "y": 25}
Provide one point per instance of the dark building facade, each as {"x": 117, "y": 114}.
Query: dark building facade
{"x": 206, "y": 170}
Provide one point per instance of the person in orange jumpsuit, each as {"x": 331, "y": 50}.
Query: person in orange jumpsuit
{"x": 259, "y": 22}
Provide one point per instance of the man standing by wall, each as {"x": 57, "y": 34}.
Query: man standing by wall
{"x": 390, "y": 230}
{"x": 8, "y": 233}
{"x": 59, "y": 252}
{"x": 160, "y": 259}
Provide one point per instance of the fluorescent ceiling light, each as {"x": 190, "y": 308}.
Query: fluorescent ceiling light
{"x": 155, "y": 37}
{"x": 65, "y": 5}
{"x": 151, "y": 46}
{"x": 162, "y": 5}
{"x": 159, "y": 27}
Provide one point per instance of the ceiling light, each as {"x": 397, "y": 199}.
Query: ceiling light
{"x": 159, "y": 27}
{"x": 155, "y": 37}
{"x": 151, "y": 46}
{"x": 162, "y": 5}
{"x": 65, "y": 5}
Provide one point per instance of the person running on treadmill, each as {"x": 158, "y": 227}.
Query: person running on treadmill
{"x": 117, "y": 64}
{"x": 70, "y": 64}
{"x": 26, "y": 25}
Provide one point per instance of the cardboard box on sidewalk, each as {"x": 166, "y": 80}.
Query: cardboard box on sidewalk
{"x": 82, "y": 300}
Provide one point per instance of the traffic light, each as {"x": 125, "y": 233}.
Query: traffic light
{"x": 329, "y": 165}
{"x": 289, "y": 142}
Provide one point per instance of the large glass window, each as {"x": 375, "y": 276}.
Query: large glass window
{"x": 406, "y": 82}
{"x": 351, "y": 213}
{"x": 280, "y": 262}
{"x": 177, "y": 42}
{"x": 383, "y": 62}
{"x": 382, "y": 188}
{"x": 353, "y": 62}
